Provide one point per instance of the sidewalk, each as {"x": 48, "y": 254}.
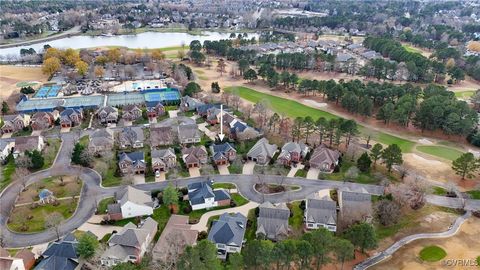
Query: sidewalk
{"x": 202, "y": 224}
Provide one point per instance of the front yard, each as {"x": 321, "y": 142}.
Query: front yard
{"x": 50, "y": 152}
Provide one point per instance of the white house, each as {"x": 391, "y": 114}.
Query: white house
{"x": 202, "y": 196}
{"x": 132, "y": 203}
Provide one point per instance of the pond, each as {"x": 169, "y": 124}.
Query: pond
{"x": 147, "y": 40}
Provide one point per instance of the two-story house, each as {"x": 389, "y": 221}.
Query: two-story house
{"x": 163, "y": 159}
{"x": 107, "y": 114}
{"x": 227, "y": 233}
{"x": 131, "y": 112}
{"x": 189, "y": 133}
{"x": 70, "y": 118}
{"x": 292, "y": 153}
{"x": 131, "y": 137}
{"x": 194, "y": 156}
{"x": 320, "y": 211}
{"x": 223, "y": 154}
{"x": 201, "y": 196}
{"x": 132, "y": 163}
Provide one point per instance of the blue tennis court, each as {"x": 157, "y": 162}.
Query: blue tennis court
{"x": 48, "y": 91}
{"x": 42, "y": 92}
{"x": 167, "y": 96}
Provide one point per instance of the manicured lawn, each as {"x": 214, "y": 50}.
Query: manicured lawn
{"x": 301, "y": 173}
{"x": 411, "y": 49}
{"x": 474, "y": 194}
{"x": 251, "y": 225}
{"x": 224, "y": 185}
{"x": 238, "y": 199}
{"x": 295, "y": 109}
{"x": 84, "y": 141}
{"x": 102, "y": 205}
{"x": 296, "y": 220}
{"x": 464, "y": 94}
{"x": 432, "y": 254}
{"x": 362, "y": 178}
{"x": 289, "y": 107}
{"x": 50, "y": 152}
{"x": 34, "y": 219}
{"x": 211, "y": 219}
{"x": 7, "y": 172}
{"x": 23, "y": 132}
{"x": 439, "y": 191}
{"x": 440, "y": 151}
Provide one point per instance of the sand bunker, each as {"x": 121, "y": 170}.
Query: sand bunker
{"x": 425, "y": 141}
{"x": 315, "y": 104}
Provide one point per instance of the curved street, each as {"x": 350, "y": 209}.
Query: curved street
{"x": 402, "y": 242}
{"x": 93, "y": 192}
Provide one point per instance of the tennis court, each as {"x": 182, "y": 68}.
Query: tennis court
{"x": 48, "y": 91}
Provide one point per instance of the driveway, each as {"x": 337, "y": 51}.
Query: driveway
{"x": 202, "y": 224}
{"x": 248, "y": 167}
{"x": 293, "y": 170}
{"x": 203, "y": 127}
{"x": 36, "y": 133}
{"x": 7, "y": 135}
{"x": 313, "y": 173}
{"x": 152, "y": 120}
{"x": 138, "y": 179}
{"x": 161, "y": 177}
{"x": 173, "y": 113}
{"x": 93, "y": 225}
{"x": 223, "y": 170}
{"x": 194, "y": 172}
{"x": 127, "y": 123}
{"x": 65, "y": 130}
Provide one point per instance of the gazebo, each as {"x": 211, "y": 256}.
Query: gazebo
{"x": 46, "y": 196}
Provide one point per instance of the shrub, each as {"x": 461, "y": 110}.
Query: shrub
{"x": 302, "y": 205}
{"x": 202, "y": 235}
{"x": 187, "y": 209}
{"x": 232, "y": 203}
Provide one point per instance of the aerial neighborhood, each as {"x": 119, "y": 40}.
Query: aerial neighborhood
{"x": 213, "y": 135}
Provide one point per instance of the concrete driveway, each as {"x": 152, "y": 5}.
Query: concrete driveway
{"x": 7, "y": 135}
{"x": 194, "y": 172}
{"x": 248, "y": 167}
{"x": 138, "y": 179}
{"x": 161, "y": 177}
{"x": 313, "y": 173}
{"x": 202, "y": 224}
{"x": 93, "y": 225}
{"x": 223, "y": 169}
{"x": 36, "y": 133}
{"x": 152, "y": 120}
{"x": 293, "y": 170}
{"x": 173, "y": 113}
{"x": 65, "y": 130}
{"x": 203, "y": 128}
{"x": 127, "y": 123}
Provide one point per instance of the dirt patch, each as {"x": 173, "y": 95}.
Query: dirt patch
{"x": 464, "y": 245}
{"x": 431, "y": 169}
{"x": 11, "y": 75}
{"x": 273, "y": 188}
{"x": 315, "y": 104}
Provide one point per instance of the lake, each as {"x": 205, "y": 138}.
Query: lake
{"x": 147, "y": 40}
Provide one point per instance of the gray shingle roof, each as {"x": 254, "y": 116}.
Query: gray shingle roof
{"x": 136, "y": 196}
{"x": 228, "y": 229}
{"x": 262, "y": 148}
{"x": 273, "y": 220}
{"x": 199, "y": 192}
{"x": 321, "y": 210}
{"x": 189, "y": 131}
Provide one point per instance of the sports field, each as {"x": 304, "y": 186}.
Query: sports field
{"x": 295, "y": 109}
{"x": 440, "y": 151}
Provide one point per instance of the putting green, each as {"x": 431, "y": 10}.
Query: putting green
{"x": 295, "y": 109}
{"x": 25, "y": 84}
{"x": 432, "y": 254}
{"x": 440, "y": 151}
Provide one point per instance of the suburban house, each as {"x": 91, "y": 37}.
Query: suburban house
{"x": 43, "y": 120}
{"x": 194, "y": 156}
{"x": 227, "y": 233}
{"x": 130, "y": 243}
{"x": 272, "y": 221}
{"x": 176, "y": 235}
{"x": 132, "y": 163}
{"x": 29, "y": 143}
{"x": 321, "y": 211}
{"x": 202, "y": 196}
{"x": 223, "y": 154}
{"x": 131, "y": 137}
{"x": 14, "y": 123}
{"x": 131, "y": 112}
{"x": 324, "y": 159}
{"x": 131, "y": 203}
{"x": 189, "y": 133}
{"x": 355, "y": 205}
{"x": 163, "y": 159}
{"x": 237, "y": 129}
{"x": 22, "y": 260}
{"x": 156, "y": 110}
{"x": 292, "y": 153}
{"x": 107, "y": 114}
{"x": 160, "y": 136}
{"x": 70, "y": 118}
{"x": 262, "y": 152}
{"x": 61, "y": 255}
{"x": 189, "y": 104}
{"x": 6, "y": 146}
{"x": 101, "y": 140}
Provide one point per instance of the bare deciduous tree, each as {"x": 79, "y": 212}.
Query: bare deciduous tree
{"x": 53, "y": 221}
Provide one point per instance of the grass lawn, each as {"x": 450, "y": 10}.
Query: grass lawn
{"x": 440, "y": 151}
{"x": 194, "y": 216}
{"x": 296, "y": 220}
{"x": 50, "y": 152}
{"x": 411, "y": 49}
{"x": 363, "y": 177}
{"x": 464, "y": 94}
{"x": 301, "y": 173}
{"x": 439, "y": 191}
{"x": 34, "y": 219}
{"x": 474, "y": 194}
{"x": 251, "y": 225}
{"x": 224, "y": 185}
{"x": 7, "y": 171}
{"x": 211, "y": 219}
{"x": 238, "y": 199}
{"x": 23, "y": 132}
{"x": 295, "y": 109}
{"x": 84, "y": 141}
{"x": 432, "y": 254}
{"x": 102, "y": 205}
